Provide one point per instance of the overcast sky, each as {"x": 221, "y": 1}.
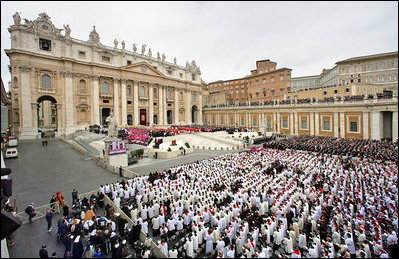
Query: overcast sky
{"x": 226, "y": 38}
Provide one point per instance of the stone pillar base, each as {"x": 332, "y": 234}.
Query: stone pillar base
{"x": 27, "y": 133}
{"x": 117, "y": 160}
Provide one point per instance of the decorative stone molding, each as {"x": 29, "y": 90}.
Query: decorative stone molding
{"x": 94, "y": 77}
{"x": 24, "y": 68}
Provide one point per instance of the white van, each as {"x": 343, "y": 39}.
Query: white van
{"x": 11, "y": 152}
{"x": 12, "y": 142}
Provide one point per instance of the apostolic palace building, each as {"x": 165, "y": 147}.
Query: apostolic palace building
{"x": 68, "y": 84}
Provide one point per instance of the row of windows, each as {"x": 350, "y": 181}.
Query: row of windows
{"x": 370, "y": 66}
{"x": 325, "y": 126}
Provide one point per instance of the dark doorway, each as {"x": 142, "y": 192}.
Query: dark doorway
{"x": 155, "y": 119}
{"x": 129, "y": 120}
{"x": 169, "y": 116}
{"x": 143, "y": 117}
{"x": 105, "y": 112}
{"x": 387, "y": 124}
{"x": 194, "y": 114}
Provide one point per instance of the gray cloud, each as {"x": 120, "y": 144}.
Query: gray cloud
{"x": 226, "y": 38}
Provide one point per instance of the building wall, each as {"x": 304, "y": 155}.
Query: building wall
{"x": 322, "y": 119}
{"x": 72, "y": 73}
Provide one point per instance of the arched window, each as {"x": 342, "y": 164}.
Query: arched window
{"x": 46, "y": 82}
{"x": 129, "y": 90}
{"x": 82, "y": 86}
{"x": 168, "y": 95}
{"x": 142, "y": 91}
{"x": 155, "y": 92}
{"x": 105, "y": 89}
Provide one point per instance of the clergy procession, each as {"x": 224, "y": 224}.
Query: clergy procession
{"x": 267, "y": 203}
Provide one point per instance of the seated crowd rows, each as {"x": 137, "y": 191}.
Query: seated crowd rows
{"x": 362, "y": 148}
{"x": 266, "y": 203}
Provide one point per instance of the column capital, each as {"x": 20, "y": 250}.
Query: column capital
{"x": 123, "y": 81}
{"x": 116, "y": 79}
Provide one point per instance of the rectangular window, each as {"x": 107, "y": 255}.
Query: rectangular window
{"x": 129, "y": 62}
{"x": 105, "y": 101}
{"x": 231, "y": 121}
{"x": 242, "y": 121}
{"x": 326, "y": 125}
{"x": 353, "y": 126}
{"x": 82, "y": 54}
{"x": 285, "y": 124}
{"x": 106, "y": 58}
{"x": 347, "y": 90}
{"x": 181, "y": 75}
{"x": 335, "y": 91}
{"x": 129, "y": 102}
{"x": 304, "y": 124}
{"x": 45, "y": 44}
{"x": 324, "y": 92}
{"x": 255, "y": 122}
{"x": 269, "y": 123}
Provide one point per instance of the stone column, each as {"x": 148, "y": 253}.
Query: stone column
{"x": 165, "y": 107}
{"x": 116, "y": 101}
{"x": 69, "y": 103}
{"x": 96, "y": 100}
{"x": 188, "y": 108}
{"x": 124, "y": 102}
{"x": 200, "y": 108}
{"x": 135, "y": 103}
{"x": 342, "y": 125}
{"x": 296, "y": 123}
{"x": 291, "y": 123}
{"x": 278, "y": 121}
{"x": 311, "y": 123}
{"x": 376, "y": 125}
{"x": 151, "y": 104}
{"x": 365, "y": 125}
{"x": 316, "y": 123}
{"x": 160, "y": 105}
{"x": 177, "y": 105}
{"x": 25, "y": 115}
{"x": 336, "y": 125}
{"x": 394, "y": 125}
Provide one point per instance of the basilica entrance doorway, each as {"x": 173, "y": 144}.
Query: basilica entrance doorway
{"x": 47, "y": 117}
{"x": 143, "y": 117}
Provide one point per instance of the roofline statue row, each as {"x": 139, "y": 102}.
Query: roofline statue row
{"x": 94, "y": 39}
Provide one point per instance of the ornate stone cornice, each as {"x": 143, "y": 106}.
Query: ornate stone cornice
{"x": 94, "y": 77}
{"x": 24, "y": 68}
{"x": 67, "y": 73}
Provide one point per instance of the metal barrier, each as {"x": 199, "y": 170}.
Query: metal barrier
{"x": 40, "y": 212}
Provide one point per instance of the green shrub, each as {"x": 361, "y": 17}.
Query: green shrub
{"x": 169, "y": 149}
{"x": 187, "y": 145}
{"x": 137, "y": 153}
{"x": 259, "y": 133}
{"x": 181, "y": 148}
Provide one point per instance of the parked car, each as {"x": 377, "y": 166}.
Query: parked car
{"x": 12, "y": 142}
{"x": 11, "y": 152}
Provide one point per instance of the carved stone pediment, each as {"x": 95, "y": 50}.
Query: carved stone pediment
{"x": 143, "y": 67}
{"x": 43, "y": 25}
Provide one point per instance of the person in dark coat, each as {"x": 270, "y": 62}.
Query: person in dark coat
{"x": 49, "y": 218}
{"x": 74, "y": 196}
{"x": 43, "y": 252}
{"x": 65, "y": 209}
{"x": 77, "y": 250}
{"x": 116, "y": 251}
{"x": 68, "y": 243}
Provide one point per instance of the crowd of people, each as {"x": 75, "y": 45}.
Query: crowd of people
{"x": 385, "y": 150}
{"x": 266, "y": 203}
